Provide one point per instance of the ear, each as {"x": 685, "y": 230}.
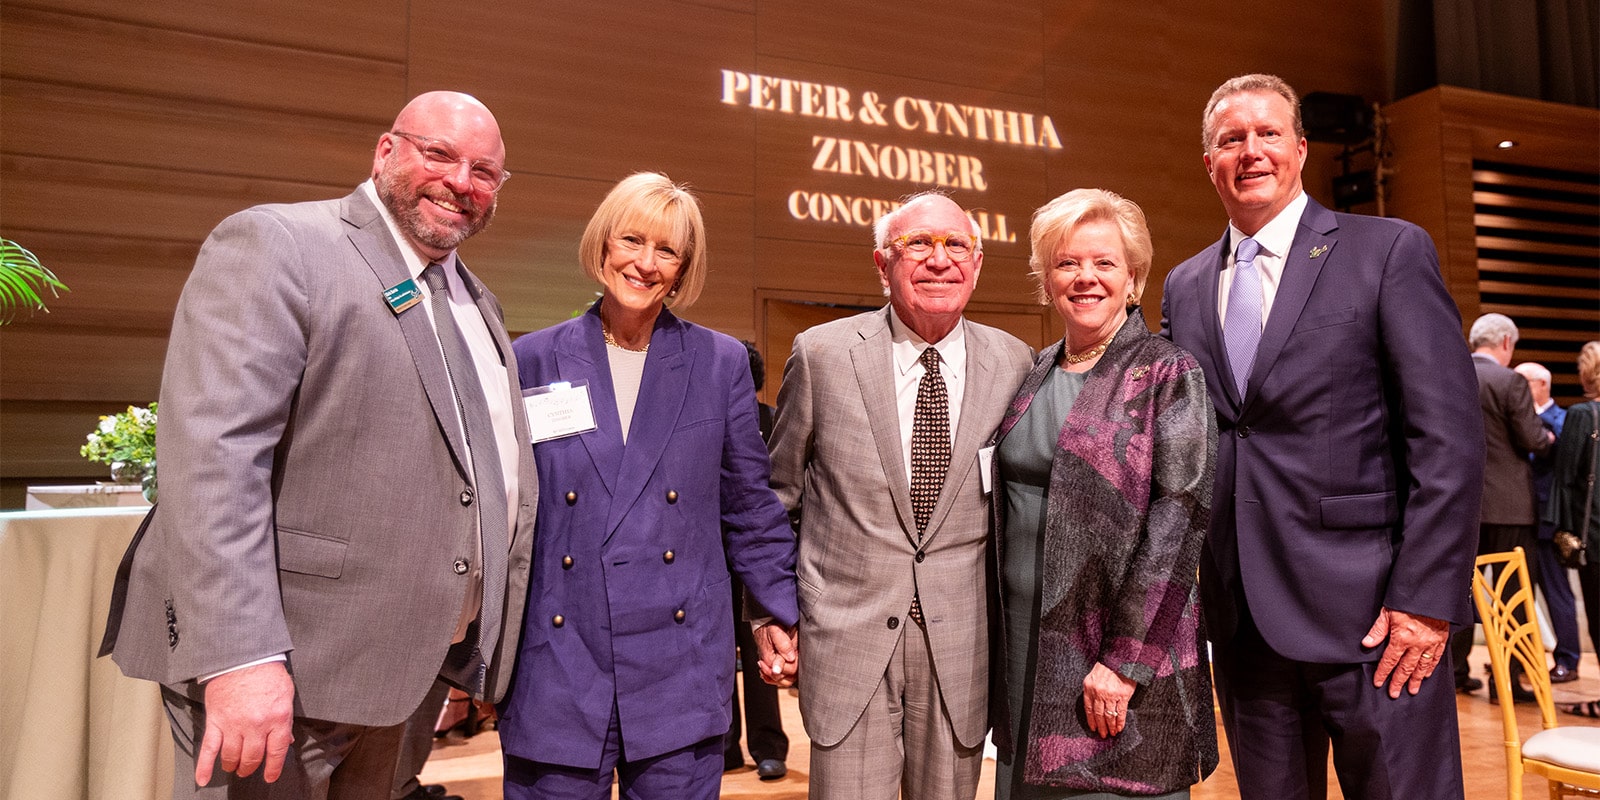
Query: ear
{"x": 1205, "y": 158}
{"x": 882, "y": 263}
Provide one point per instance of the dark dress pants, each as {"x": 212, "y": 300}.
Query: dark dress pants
{"x": 762, "y": 719}
{"x": 1556, "y": 585}
{"x": 1282, "y": 715}
{"x": 1498, "y": 539}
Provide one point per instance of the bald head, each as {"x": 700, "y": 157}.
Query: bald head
{"x": 1538, "y": 381}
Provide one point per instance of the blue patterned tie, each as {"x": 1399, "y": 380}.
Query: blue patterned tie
{"x": 1242, "y": 329}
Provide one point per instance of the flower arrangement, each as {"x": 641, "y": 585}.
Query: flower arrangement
{"x": 126, "y": 439}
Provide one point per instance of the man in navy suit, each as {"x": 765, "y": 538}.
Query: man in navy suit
{"x": 1349, "y": 471}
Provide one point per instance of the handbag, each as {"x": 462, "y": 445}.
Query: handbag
{"x": 1572, "y": 548}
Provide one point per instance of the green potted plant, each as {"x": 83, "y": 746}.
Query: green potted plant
{"x": 127, "y": 442}
{"x": 22, "y": 278}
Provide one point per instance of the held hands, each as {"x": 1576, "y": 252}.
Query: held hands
{"x": 780, "y": 654}
{"x": 1416, "y": 645}
{"x": 1105, "y": 700}
{"x": 249, "y": 719}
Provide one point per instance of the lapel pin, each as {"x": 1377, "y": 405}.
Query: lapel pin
{"x": 1138, "y": 372}
{"x": 1318, "y": 250}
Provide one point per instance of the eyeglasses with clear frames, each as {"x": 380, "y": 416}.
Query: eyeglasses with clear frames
{"x": 633, "y": 244}
{"x": 920, "y": 244}
{"x": 439, "y": 158}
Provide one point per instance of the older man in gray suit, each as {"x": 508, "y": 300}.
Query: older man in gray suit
{"x": 347, "y": 490}
{"x": 876, "y": 449}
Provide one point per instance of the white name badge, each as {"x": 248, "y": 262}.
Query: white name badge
{"x": 985, "y": 461}
{"x": 560, "y": 409}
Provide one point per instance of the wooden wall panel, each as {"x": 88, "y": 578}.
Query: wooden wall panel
{"x": 374, "y": 29}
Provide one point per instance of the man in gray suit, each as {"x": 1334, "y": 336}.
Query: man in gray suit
{"x": 876, "y": 450}
{"x": 347, "y": 489}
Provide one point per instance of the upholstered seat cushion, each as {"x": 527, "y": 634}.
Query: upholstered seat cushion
{"x": 1571, "y": 747}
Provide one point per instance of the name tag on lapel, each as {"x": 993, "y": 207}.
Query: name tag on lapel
{"x": 402, "y": 296}
{"x": 557, "y": 410}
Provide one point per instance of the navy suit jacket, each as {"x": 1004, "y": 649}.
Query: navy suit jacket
{"x": 633, "y": 557}
{"x": 1349, "y": 475}
{"x": 1553, "y": 418}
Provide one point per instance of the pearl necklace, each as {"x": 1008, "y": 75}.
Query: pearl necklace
{"x": 613, "y": 342}
{"x": 1088, "y": 355}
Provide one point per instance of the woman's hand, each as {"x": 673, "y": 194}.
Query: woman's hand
{"x": 1105, "y": 700}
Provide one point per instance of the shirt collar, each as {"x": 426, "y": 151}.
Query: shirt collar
{"x": 415, "y": 263}
{"x": 908, "y": 346}
{"x": 1275, "y": 237}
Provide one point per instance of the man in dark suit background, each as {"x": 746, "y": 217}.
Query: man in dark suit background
{"x": 347, "y": 492}
{"x": 1512, "y": 432}
{"x": 1348, "y": 476}
{"x": 1554, "y": 581}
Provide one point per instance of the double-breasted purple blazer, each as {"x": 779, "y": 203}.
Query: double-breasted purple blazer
{"x": 629, "y": 600}
{"x": 1350, "y": 473}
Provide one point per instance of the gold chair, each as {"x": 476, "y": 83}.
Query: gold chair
{"x": 1569, "y": 758}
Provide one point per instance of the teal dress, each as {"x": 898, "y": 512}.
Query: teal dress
{"x": 1025, "y": 457}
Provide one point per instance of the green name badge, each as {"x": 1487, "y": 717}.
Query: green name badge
{"x": 402, "y": 295}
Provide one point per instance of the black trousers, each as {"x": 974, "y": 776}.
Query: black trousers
{"x": 1498, "y": 539}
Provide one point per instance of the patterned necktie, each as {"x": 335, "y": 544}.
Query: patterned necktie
{"x": 1242, "y": 330}
{"x": 930, "y": 440}
{"x": 489, "y": 494}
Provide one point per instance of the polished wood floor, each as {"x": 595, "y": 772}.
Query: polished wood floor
{"x": 471, "y": 767}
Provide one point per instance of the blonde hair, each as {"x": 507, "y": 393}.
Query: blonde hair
{"x": 652, "y": 204}
{"x": 1057, "y": 219}
{"x": 1258, "y": 82}
{"x": 1589, "y": 369}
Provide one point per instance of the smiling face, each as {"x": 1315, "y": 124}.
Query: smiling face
{"x": 1254, "y": 157}
{"x": 928, "y": 293}
{"x": 1089, "y": 282}
{"x": 640, "y": 268}
{"x": 437, "y": 212}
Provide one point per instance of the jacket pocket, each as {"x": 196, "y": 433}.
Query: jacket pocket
{"x": 309, "y": 554}
{"x": 1377, "y": 510}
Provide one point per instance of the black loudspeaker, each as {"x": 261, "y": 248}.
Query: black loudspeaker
{"x": 1337, "y": 118}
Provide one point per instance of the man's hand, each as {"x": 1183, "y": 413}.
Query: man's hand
{"x": 1105, "y": 700}
{"x": 249, "y": 722}
{"x": 780, "y": 654}
{"x": 1416, "y": 645}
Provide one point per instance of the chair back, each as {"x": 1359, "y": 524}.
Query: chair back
{"x": 1511, "y": 630}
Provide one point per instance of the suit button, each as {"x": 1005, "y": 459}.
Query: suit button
{"x": 894, "y": 622}
{"x": 679, "y": 616}
{"x": 672, "y": 495}
{"x": 566, "y": 562}
{"x": 1243, "y": 432}
{"x": 558, "y": 620}
{"x": 572, "y": 498}
{"x": 921, "y": 555}
{"x": 460, "y": 566}
{"x": 466, "y": 496}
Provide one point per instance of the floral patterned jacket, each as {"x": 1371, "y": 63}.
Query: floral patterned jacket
{"x": 1128, "y": 504}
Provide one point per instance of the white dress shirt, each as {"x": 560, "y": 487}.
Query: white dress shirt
{"x": 907, "y": 350}
{"x": 1276, "y": 238}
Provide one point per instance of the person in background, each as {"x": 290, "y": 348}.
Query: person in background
{"x": 1574, "y": 503}
{"x": 1104, "y": 464}
{"x": 654, "y": 484}
{"x": 1554, "y": 582}
{"x": 876, "y": 453}
{"x": 346, "y": 506}
{"x": 763, "y": 721}
{"x": 1349, "y": 471}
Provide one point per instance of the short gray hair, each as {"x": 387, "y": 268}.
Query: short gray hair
{"x": 880, "y": 228}
{"x": 1490, "y": 329}
{"x": 1533, "y": 371}
{"x": 1258, "y": 82}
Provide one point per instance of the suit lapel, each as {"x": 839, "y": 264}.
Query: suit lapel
{"x": 873, "y": 358}
{"x": 662, "y": 390}
{"x": 375, "y": 244}
{"x": 581, "y": 356}
{"x": 1300, "y": 273}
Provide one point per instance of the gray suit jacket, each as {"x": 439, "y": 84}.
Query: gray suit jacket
{"x": 311, "y": 475}
{"x": 837, "y": 463}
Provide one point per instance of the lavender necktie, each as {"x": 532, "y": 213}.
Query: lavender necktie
{"x": 1241, "y": 331}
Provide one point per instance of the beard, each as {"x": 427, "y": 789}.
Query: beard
{"x": 405, "y": 205}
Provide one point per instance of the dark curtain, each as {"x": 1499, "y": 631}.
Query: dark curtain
{"x": 1542, "y": 49}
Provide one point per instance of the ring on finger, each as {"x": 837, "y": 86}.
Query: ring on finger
{"x": 1427, "y": 656}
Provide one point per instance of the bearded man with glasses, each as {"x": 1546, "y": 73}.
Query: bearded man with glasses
{"x": 347, "y": 497}
{"x": 876, "y": 454}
